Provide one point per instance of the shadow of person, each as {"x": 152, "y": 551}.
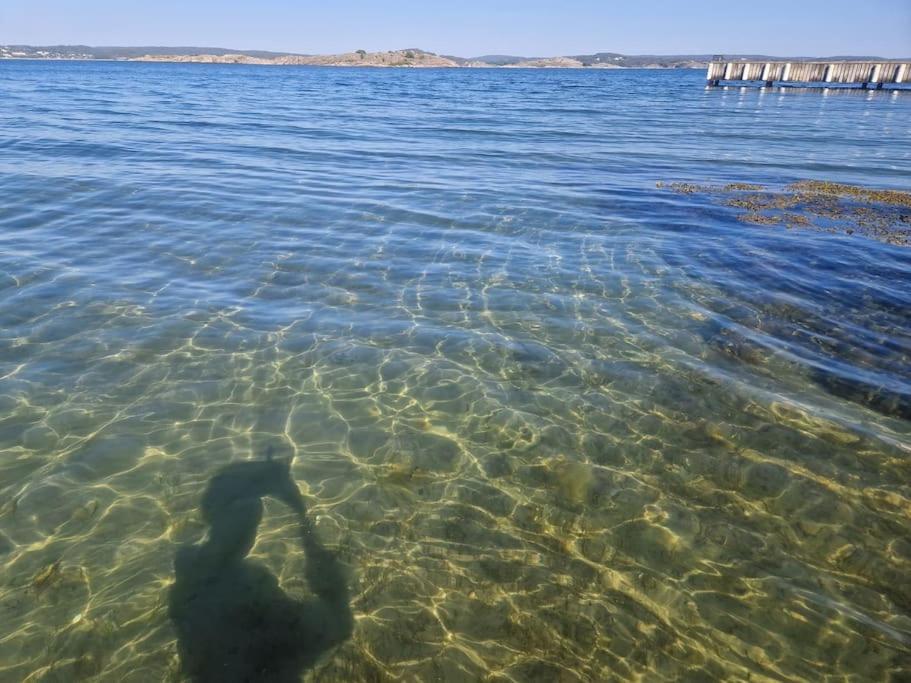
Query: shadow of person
{"x": 234, "y": 623}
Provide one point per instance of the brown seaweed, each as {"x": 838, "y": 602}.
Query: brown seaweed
{"x": 819, "y": 205}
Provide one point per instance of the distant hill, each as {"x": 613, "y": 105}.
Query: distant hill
{"x": 502, "y": 60}
{"x": 412, "y": 57}
{"x": 601, "y": 59}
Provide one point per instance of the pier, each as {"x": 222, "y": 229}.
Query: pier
{"x": 878, "y": 75}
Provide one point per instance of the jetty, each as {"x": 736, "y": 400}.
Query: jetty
{"x": 878, "y": 75}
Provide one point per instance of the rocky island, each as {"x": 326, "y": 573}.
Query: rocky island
{"x": 406, "y": 58}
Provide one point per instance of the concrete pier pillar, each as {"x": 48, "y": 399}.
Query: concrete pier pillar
{"x": 786, "y": 73}
{"x": 875, "y": 73}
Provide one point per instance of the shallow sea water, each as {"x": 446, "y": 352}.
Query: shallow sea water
{"x": 548, "y": 421}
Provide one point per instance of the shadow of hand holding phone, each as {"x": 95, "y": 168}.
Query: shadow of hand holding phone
{"x": 234, "y": 622}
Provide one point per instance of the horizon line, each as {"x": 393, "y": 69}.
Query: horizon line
{"x": 707, "y": 53}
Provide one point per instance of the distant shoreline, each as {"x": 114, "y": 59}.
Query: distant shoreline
{"x": 494, "y": 67}
{"x": 405, "y": 58}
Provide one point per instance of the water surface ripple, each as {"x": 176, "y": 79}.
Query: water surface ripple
{"x": 548, "y": 422}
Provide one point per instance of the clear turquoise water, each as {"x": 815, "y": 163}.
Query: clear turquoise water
{"x": 547, "y": 421}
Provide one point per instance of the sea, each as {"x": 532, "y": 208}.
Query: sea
{"x": 339, "y": 374}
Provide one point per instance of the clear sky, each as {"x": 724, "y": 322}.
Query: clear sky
{"x": 474, "y": 27}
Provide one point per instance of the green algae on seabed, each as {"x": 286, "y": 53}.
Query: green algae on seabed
{"x": 819, "y": 205}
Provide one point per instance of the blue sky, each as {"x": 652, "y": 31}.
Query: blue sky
{"x": 473, "y": 27}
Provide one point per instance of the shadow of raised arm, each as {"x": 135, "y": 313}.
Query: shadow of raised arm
{"x": 233, "y": 620}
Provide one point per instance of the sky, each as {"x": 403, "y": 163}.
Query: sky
{"x": 470, "y": 28}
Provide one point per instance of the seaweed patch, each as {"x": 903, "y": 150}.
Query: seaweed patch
{"x": 818, "y": 205}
